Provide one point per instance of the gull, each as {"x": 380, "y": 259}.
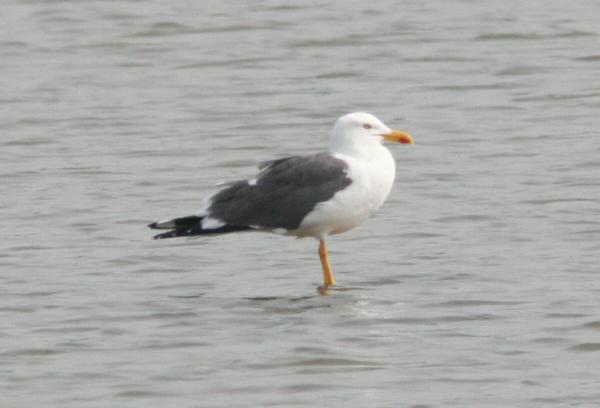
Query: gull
{"x": 314, "y": 196}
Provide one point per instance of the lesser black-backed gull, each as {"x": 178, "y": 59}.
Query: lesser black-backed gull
{"x": 309, "y": 196}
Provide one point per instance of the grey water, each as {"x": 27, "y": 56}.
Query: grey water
{"x": 476, "y": 284}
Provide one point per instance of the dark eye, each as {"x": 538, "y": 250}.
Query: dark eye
{"x": 367, "y": 126}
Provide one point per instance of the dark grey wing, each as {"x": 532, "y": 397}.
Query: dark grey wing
{"x": 286, "y": 190}
{"x": 269, "y": 163}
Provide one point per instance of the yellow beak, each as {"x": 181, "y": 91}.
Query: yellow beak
{"x": 399, "y": 136}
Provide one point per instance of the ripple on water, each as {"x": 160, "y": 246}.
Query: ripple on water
{"x": 474, "y": 302}
{"x": 585, "y": 347}
{"x": 592, "y": 325}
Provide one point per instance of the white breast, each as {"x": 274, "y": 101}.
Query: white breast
{"x": 372, "y": 178}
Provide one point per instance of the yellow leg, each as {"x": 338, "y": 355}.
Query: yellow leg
{"x": 328, "y": 278}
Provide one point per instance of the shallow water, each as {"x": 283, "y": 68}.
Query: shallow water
{"x": 475, "y": 285}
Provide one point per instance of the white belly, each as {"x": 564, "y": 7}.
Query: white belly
{"x": 372, "y": 181}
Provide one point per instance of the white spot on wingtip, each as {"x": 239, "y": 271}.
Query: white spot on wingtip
{"x": 252, "y": 182}
{"x": 212, "y": 223}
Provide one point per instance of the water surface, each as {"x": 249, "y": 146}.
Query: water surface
{"x": 475, "y": 285}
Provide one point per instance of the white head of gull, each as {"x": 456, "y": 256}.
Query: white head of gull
{"x": 357, "y": 133}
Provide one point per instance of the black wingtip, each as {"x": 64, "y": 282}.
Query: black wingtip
{"x": 169, "y": 234}
{"x": 153, "y": 225}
